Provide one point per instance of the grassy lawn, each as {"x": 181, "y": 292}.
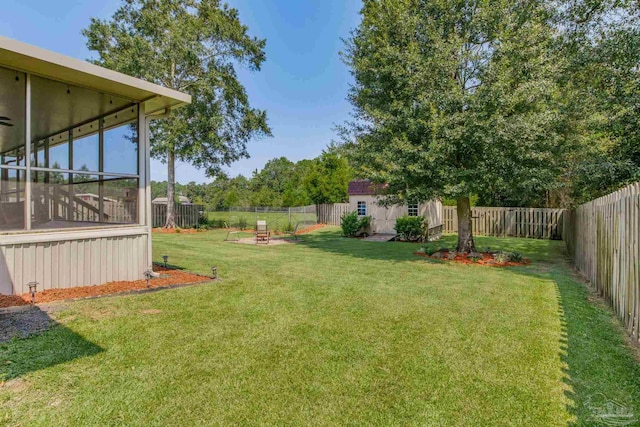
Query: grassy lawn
{"x": 277, "y": 221}
{"x": 329, "y": 331}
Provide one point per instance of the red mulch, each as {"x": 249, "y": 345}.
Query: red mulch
{"x": 11, "y": 300}
{"x": 310, "y": 228}
{"x": 487, "y": 259}
{"x": 174, "y": 230}
{"x": 175, "y": 277}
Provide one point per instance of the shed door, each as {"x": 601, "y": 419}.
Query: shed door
{"x": 383, "y": 219}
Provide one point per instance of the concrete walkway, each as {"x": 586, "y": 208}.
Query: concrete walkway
{"x": 380, "y": 238}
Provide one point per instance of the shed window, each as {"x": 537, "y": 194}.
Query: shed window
{"x": 362, "y": 208}
{"x": 412, "y": 210}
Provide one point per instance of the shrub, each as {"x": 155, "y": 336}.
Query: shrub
{"x": 410, "y": 228}
{"x": 242, "y": 223}
{"x": 515, "y": 257}
{"x": 352, "y": 225}
{"x": 203, "y": 221}
{"x": 178, "y": 230}
{"x": 288, "y": 228}
{"x": 501, "y": 257}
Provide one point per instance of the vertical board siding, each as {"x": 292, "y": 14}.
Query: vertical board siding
{"x": 71, "y": 263}
{"x": 538, "y": 223}
{"x": 602, "y": 237}
{"x": 330, "y": 214}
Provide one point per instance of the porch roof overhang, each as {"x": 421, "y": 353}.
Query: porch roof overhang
{"x": 34, "y": 60}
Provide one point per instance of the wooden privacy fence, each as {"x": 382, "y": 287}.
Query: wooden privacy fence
{"x": 539, "y": 223}
{"x": 331, "y": 214}
{"x": 602, "y": 237}
{"x": 187, "y": 216}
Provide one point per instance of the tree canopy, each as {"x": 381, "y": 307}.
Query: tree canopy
{"x": 454, "y": 98}
{"x": 280, "y": 183}
{"x": 193, "y": 46}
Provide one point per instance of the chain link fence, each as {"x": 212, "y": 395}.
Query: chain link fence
{"x": 278, "y": 219}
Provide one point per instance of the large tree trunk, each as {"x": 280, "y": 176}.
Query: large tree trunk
{"x": 171, "y": 178}
{"x": 465, "y": 234}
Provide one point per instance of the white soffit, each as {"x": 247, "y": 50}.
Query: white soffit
{"x": 31, "y": 59}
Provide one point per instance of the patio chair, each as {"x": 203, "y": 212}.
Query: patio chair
{"x": 231, "y": 233}
{"x": 262, "y": 232}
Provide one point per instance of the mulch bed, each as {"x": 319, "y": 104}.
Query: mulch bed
{"x": 169, "y": 277}
{"x": 174, "y": 230}
{"x": 485, "y": 259}
{"x": 310, "y": 228}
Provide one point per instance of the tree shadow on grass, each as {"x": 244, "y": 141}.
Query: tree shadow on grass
{"x": 601, "y": 372}
{"x": 331, "y": 241}
{"x": 38, "y": 342}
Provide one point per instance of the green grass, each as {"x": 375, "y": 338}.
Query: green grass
{"x": 277, "y": 221}
{"x": 329, "y": 331}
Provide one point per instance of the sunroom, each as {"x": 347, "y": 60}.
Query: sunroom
{"x": 74, "y": 170}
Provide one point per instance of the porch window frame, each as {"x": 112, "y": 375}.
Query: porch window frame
{"x": 142, "y": 175}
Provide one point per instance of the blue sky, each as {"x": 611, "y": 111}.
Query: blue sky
{"x": 303, "y": 83}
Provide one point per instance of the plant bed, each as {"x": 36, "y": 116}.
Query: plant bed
{"x": 175, "y": 230}
{"x": 485, "y": 258}
{"x": 168, "y": 278}
{"x": 309, "y": 229}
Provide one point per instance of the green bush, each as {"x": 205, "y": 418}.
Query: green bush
{"x": 289, "y": 228}
{"x": 203, "y": 222}
{"x": 410, "y": 228}
{"x": 515, "y": 257}
{"x": 242, "y": 223}
{"x": 352, "y": 225}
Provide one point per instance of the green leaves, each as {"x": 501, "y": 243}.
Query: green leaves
{"x": 451, "y": 98}
{"x": 495, "y": 98}
{"x": 191, "y": 46}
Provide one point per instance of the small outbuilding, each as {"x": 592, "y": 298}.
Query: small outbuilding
{"x": 75, "y": 200}
{"x": 181, "y": 200}
{"x": 364, "y": 197}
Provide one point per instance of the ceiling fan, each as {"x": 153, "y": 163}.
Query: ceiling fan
{"x": 3, "y": 121}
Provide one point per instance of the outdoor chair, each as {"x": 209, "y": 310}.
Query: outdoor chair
{"x": 262, "y": 232}
{"x": 231, "y": 233}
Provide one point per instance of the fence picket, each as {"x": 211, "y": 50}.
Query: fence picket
{"x": 330, "y": 214}
{"x": 602, "y": 237}
{"x": 540, "y": 223}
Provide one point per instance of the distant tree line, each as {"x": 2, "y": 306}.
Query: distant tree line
{"x": 280, "y": 183}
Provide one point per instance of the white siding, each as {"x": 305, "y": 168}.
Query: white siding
{"x": 71, "y": 263}
{"x": 383, "y": 219}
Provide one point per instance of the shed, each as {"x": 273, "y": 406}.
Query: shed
{"x": 364, "y": 197}
{"x": 182, "y": 200}
{"x": 75, "y": 200}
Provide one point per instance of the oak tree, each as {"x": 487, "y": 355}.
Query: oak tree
{"x": 193, "y": 46}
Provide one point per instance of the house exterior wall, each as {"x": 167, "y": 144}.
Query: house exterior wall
{"x": 71, "y": 259}
{"x": 67, "y": 258}
{"x": 383, "y": 218}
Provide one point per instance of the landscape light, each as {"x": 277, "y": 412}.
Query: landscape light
{"x": 33, "y": 286}
{"x": 214, "y": 272}
{"x": 148, "y": 275}
{"x": 165, "y": 258}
